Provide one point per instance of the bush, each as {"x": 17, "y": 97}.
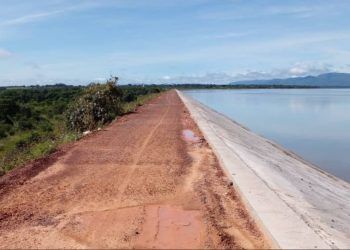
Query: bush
{"x": 25, "y": 124}
{"x": 129, "y": 97}
{"x": 26, "y": 140}
{"x": 45, "y": 126}
{"x": 99, "y": 104}
{"x": 5, "y": 129}
{"x": 34, "y": 137}
{"x": 2, "y": 132}
{"x": 22, "y": 143}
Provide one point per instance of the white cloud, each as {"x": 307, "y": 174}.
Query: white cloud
{"x": 229, "y": 35}
{"x": 166, "y": 77}
{"x": 297, "y": 69}
{"x": 301, "y": 69}
{"x": 29, "y": 18}
{"x": 27, "y": 14}
{"x": 229, "y": 50}
{"x": 299, "y": 11}
{"x": 260, "y": 10}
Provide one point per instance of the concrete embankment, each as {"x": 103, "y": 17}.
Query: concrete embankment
{"x": 297, "y": 204}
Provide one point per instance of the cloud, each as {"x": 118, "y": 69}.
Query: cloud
{"x": 259, "y": 9}
{"x": 302, "y": 69}
{"x": 297, "y": 11}
{"x": 296, "y": 70}
{"x": 232, "y": 49}
{"x": 219, "y": 77}
{"x": 166, "y": 77}
{"x": 61, "y": 8}
{"x": 5, "y": 53}
{"x": 229, "y": 35}
{"x": 29, "y": 18}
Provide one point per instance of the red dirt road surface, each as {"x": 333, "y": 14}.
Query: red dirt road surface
{"x": 148, "y": 180}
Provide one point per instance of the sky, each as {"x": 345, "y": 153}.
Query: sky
{"x": 171, "y": 41}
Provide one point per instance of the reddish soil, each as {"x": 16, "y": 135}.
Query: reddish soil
{"x": 148, "y": 180}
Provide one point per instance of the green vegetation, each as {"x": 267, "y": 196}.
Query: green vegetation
{"x": 129, "y": 107}
{"x": 233, "y": 86}
{"x": 31, "y": 122}
{"x": 35, "y": 120}
{"x": 136, "y": 95}
{"x": 98, "y": 104}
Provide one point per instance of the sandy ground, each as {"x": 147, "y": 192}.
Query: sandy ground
{"x": 299, "y": 205}
{"x": 149, "y": 180}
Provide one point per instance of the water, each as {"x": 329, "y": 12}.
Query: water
{"x": 314, "y": 123}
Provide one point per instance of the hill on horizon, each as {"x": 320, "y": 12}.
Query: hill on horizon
{"x": 324, "y": 80}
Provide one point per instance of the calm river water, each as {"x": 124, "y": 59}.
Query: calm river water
{"x": 314, "y": 123}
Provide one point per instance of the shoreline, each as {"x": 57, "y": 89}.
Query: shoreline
{"x": 317, "y": 138}
{"x": 298, "y": 204}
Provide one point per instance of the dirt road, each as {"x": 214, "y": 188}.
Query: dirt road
{"x": 148, "y": 180}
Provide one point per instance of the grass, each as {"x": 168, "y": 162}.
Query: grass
{"x": 18, "y": 149}
{"x": 130, "y": 107}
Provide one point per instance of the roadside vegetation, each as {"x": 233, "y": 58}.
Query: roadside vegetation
{"x": 35, "y": 120}
{"x": 189, "y": 86}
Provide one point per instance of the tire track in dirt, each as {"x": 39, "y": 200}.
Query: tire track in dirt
{"x": 124, "y": 184}
{"x": 139, "y": 183}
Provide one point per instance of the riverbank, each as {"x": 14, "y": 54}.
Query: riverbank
{"x": 147, "y": 180}
{"x": 299, "y": 205}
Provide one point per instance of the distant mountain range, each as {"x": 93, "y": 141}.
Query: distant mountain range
{"x": 323, "y": 80}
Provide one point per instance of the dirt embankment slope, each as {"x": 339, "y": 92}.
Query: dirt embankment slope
{"x": 149, "y": 180}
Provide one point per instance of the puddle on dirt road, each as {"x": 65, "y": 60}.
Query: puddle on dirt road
{"x": 190, "y": 136}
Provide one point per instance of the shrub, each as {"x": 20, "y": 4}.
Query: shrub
{"x": 28, "y": 139}
{"x": 99, "y": 104}
{"x": 129, "y": 97}
{"x": 5, "y": 129}
{"x": 2, "y": 133}
{"x": 22, "y": 143}
{"x": 45, "y": 126}
{"x": 25, "y": 124}
{"x": 34, "y": 137}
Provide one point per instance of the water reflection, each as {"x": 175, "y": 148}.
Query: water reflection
{"x": 312, "y": 122}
